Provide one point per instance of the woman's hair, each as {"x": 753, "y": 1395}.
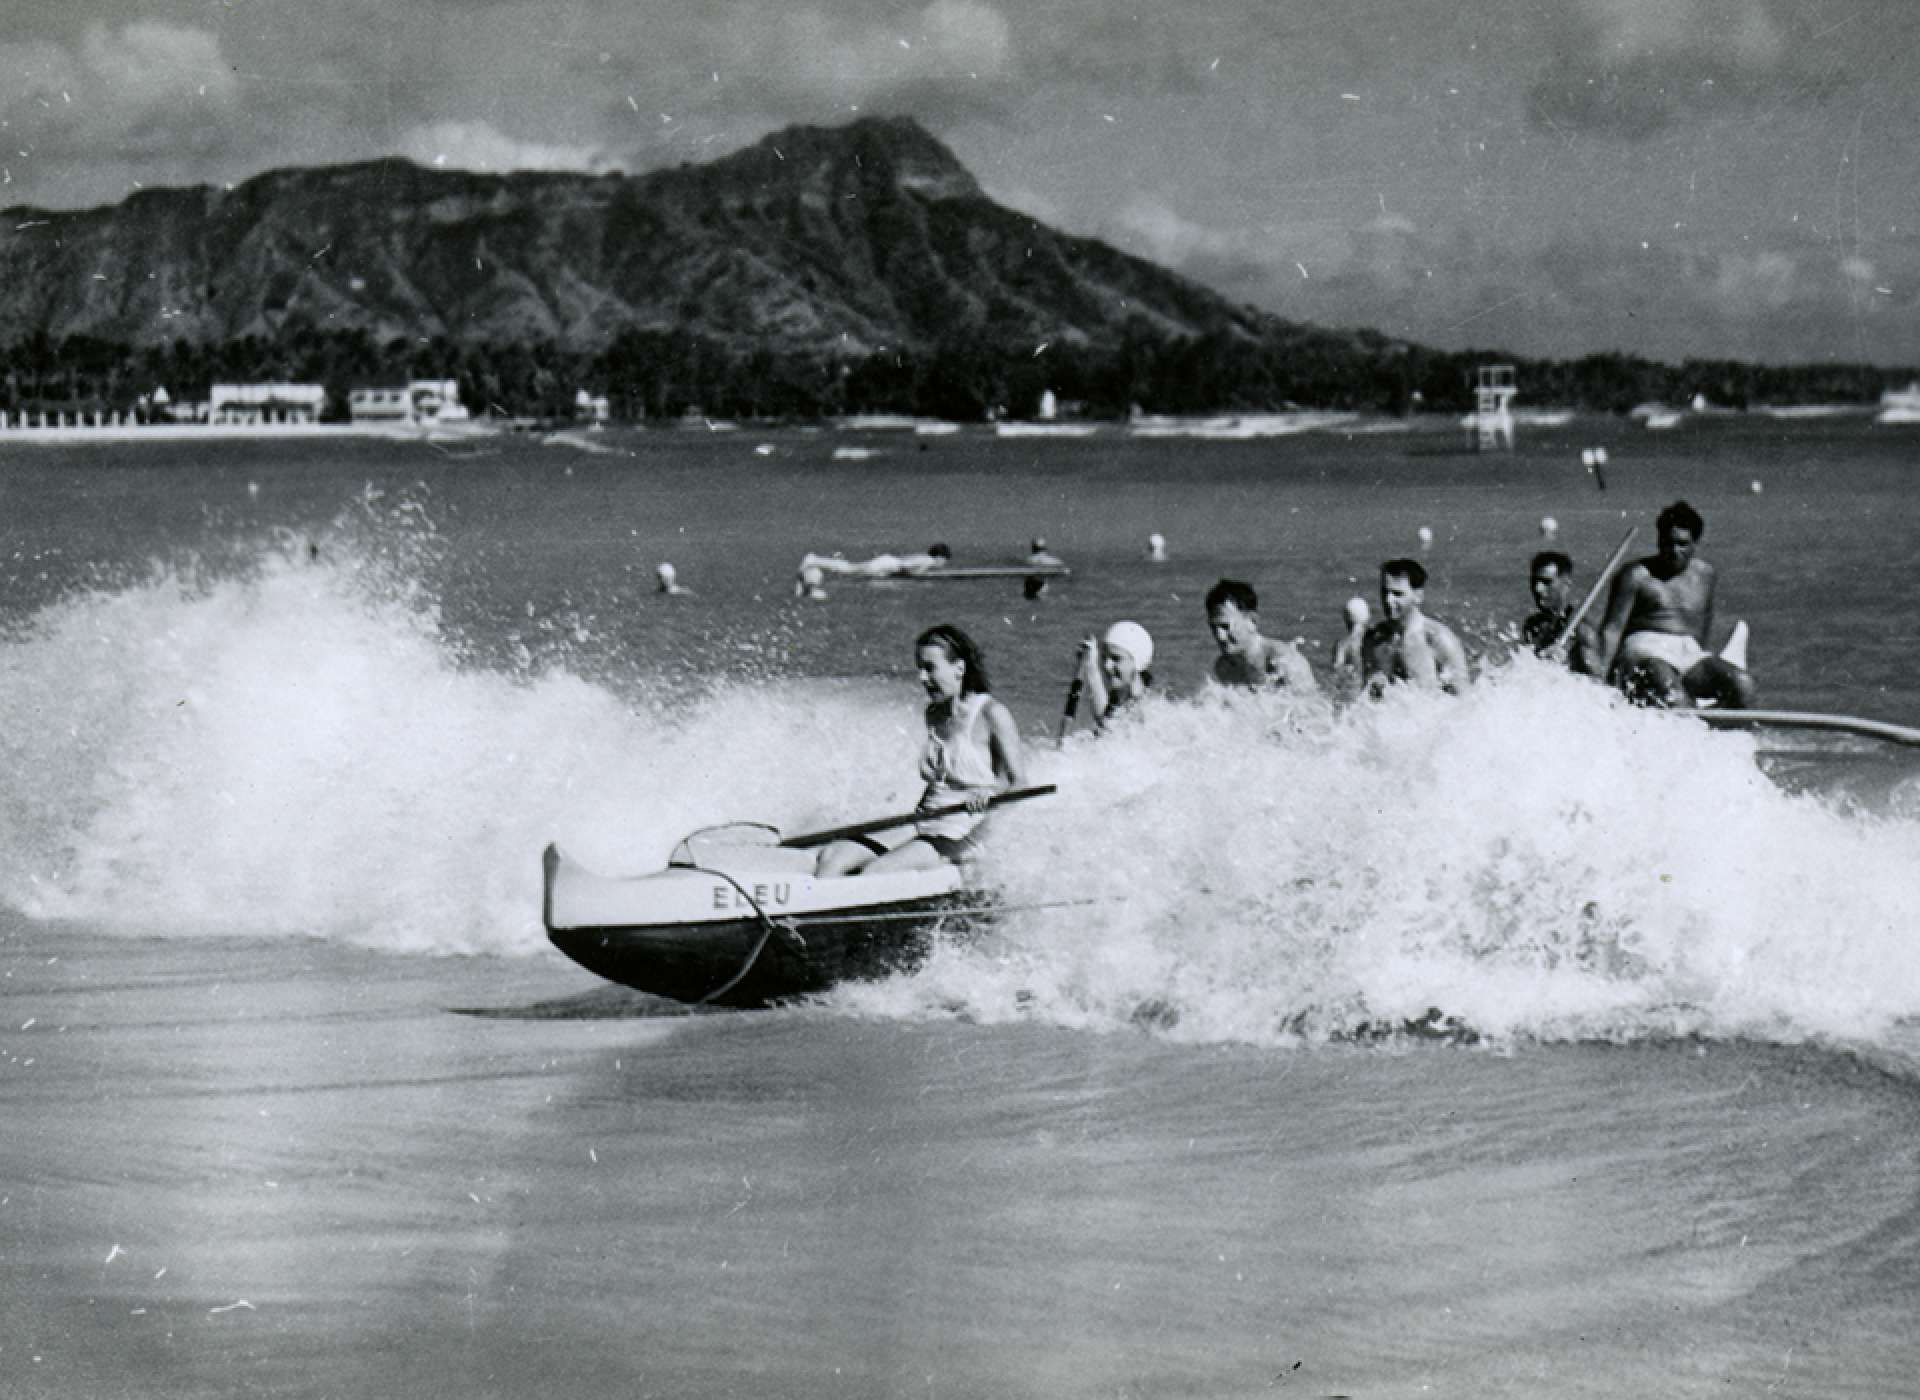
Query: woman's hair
{"x": 959, "y": 647}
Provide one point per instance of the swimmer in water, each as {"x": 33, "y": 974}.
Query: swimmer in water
{"x": 1407, "y": 646}
{"x": 1346, "y": 651}
{"x": 1247, "y": 660}
{"x": 1039, "y": 557}
{"x": 1116, "y": 670}
{"x": 667, "y": 582}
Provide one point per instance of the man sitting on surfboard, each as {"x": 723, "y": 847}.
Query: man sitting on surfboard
{"x": 1653, "y": 641}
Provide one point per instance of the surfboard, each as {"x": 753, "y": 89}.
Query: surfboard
{"x": 989, "y": 571}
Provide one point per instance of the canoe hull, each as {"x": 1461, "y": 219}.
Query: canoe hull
{"x": 753, "y": 956}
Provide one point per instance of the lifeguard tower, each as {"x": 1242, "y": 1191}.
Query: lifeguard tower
{"x": 1493, "y": 393}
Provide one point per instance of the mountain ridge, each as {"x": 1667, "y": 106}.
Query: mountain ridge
{"x": 838, "y": 241}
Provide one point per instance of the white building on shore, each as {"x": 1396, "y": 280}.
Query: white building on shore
{"x": 591, "y": 408}
{"x": 266, "y": 403}
{"x": 421, "y": 401}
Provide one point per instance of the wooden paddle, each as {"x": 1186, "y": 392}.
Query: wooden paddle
{"x": 1564, "y": 642}
{"x": 1072, "y": 707}
{"x": 835, "y": 833}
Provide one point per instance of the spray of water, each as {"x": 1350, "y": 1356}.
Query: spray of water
{"x": 297, "y": 748}
{"x": 1533, "y": 859}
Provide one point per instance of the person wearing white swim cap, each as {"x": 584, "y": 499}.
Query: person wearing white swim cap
{"x": 1116, "y": 670}
{"x": 1346, "y": 652}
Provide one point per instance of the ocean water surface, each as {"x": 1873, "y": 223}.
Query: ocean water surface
{"x": 1519, "y": 1044}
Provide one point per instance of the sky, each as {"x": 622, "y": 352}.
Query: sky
{"x": 1668, "y": 178}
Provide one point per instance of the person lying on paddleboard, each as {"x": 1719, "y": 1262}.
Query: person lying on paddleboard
{"x": 1247, "y": 659}
{"x": 1653, "y": 641}
{"x": 1114, "y": 670}
{"x": 1550, "y": 580}
{"x": 937, "y": 556}
{"x": 1407, "y": 646}
{"x": 972, "y": 752}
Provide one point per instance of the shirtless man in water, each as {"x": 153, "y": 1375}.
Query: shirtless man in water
{"x": 1407, "y": 645}
{"x": 1653, "y": 641}
{"x": 1247, "y": 659}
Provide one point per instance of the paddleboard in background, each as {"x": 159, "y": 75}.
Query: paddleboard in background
{"x": 990, "y": 571}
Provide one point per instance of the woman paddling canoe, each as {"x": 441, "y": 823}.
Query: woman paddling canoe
{"x": 972, "y": 752}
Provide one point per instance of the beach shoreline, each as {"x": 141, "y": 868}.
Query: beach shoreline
{"x": 145, "y": 433}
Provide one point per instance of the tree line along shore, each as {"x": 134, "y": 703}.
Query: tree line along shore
{"x": 967, "y": 377}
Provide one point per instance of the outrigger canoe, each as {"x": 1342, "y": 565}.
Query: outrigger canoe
{"x": 738, "y": 918}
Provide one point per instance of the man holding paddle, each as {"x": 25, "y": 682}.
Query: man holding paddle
{"x": 1553, "y": 631}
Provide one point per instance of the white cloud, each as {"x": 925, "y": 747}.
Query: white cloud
{"x": 951, "y": 44}
{"x": 1170, "y": 238}
{"x": 1035, "y": 204}
{"x": 140, "y": 103}
{"x": 479, "y": 146}
{"x": 1742, "y": 32}
{"x": 150, "y": 64}
{"x": 1745, "y": 283}
{"x": 116, "y": 77}
{"x": 1633, "y": 68}
{"x": 965, "y": 36}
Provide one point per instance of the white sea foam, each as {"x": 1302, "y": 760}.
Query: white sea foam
{"x": 298, "y": 748}
{"x": 1533, "y": 859}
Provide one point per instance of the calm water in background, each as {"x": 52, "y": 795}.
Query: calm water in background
{"x": 288, "y": 725}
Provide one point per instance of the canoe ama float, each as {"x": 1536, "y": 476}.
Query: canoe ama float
{"x": 738, "y": 920}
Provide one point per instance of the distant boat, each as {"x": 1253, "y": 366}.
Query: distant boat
{"x": 1664, "y": 418}
{"x": 1900, "y": 405}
